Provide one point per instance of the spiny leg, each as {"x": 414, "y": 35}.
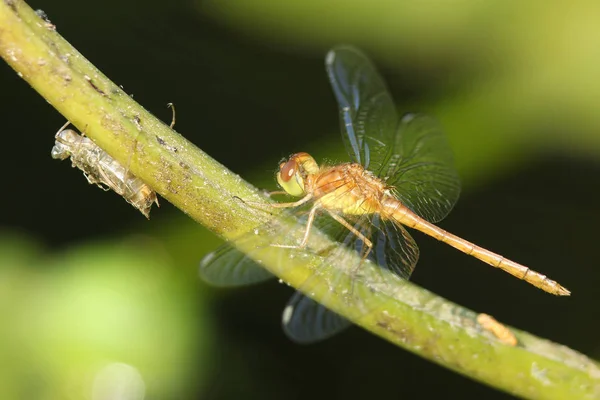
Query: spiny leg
{"x": 303, "y": 200}
{"x": 309, "y": 222}
{"x": 277, "y": 205}
{"x": 352, "y": 229}
{"x": 266, "y": 193}
{"x": 366, "y": 241}
{"x": 274, "y": 193}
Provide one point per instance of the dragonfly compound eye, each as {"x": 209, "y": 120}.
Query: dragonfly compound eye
{"x": 290, "y": 178}
{"x": 288, "y": 170}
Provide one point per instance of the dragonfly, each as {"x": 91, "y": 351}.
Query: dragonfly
{"x": 102, "y": 170}
{"x": 401, "y": 174}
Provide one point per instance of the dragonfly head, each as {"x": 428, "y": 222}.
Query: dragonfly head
{"x": 293, "y": 172}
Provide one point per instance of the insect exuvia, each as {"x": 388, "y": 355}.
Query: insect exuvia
{"x": 102, "y": 170}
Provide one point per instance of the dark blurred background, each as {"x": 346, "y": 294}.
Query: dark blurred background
{"x": 96, "y": 302}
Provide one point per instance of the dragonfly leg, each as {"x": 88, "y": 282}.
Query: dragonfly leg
{"x": 292, "y": 204}
{"x": 309, "y": 222}
{"x": 274, "y": 193}
{"x": 172, "y": 107}
{"x": 365, "y": 240}
{"x": 368, "y": 245}
{"x": 277, "y": 205}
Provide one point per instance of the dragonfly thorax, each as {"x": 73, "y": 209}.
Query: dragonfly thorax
{"x": 348, "y": 188}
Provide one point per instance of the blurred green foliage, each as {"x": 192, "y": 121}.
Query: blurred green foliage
{"x": 70, "y": 317}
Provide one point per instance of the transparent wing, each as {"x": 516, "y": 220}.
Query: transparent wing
{"x": 411, "y": 154}
{"x": 393, "y": 247}
{"x": 421, "y": 168}
{"x": 368, "y": 117}
{"x": 227, "y": 266}
{"x": 306, "y": 321}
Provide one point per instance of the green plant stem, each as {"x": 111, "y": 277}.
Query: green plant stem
{"x": 403, "y": 313}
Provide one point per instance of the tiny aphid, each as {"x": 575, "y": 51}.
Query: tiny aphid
{"x": 502, "y": 333}
{"x": 101, "y": 169}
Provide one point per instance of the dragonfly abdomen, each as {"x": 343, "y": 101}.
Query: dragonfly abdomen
{"x": 401, "y": 214}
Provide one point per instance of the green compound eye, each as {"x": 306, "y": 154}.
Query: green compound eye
{"x": 290, "y": 179}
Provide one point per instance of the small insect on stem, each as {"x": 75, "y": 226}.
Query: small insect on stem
{"x": 102, "y": 170}
{"x": 502, "y": 333}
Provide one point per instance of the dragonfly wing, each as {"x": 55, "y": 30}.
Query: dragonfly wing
{"x": 367, "y": 113}
{"x": 394, "y": 248}
{"x": 228, "y": 267}
{"x": 307, "y": 321}
{"x": 421, "y": 168}
{"x": 411, "y": 154}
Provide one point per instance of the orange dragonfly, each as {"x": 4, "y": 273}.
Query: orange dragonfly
{"x": 401, "y": 174}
